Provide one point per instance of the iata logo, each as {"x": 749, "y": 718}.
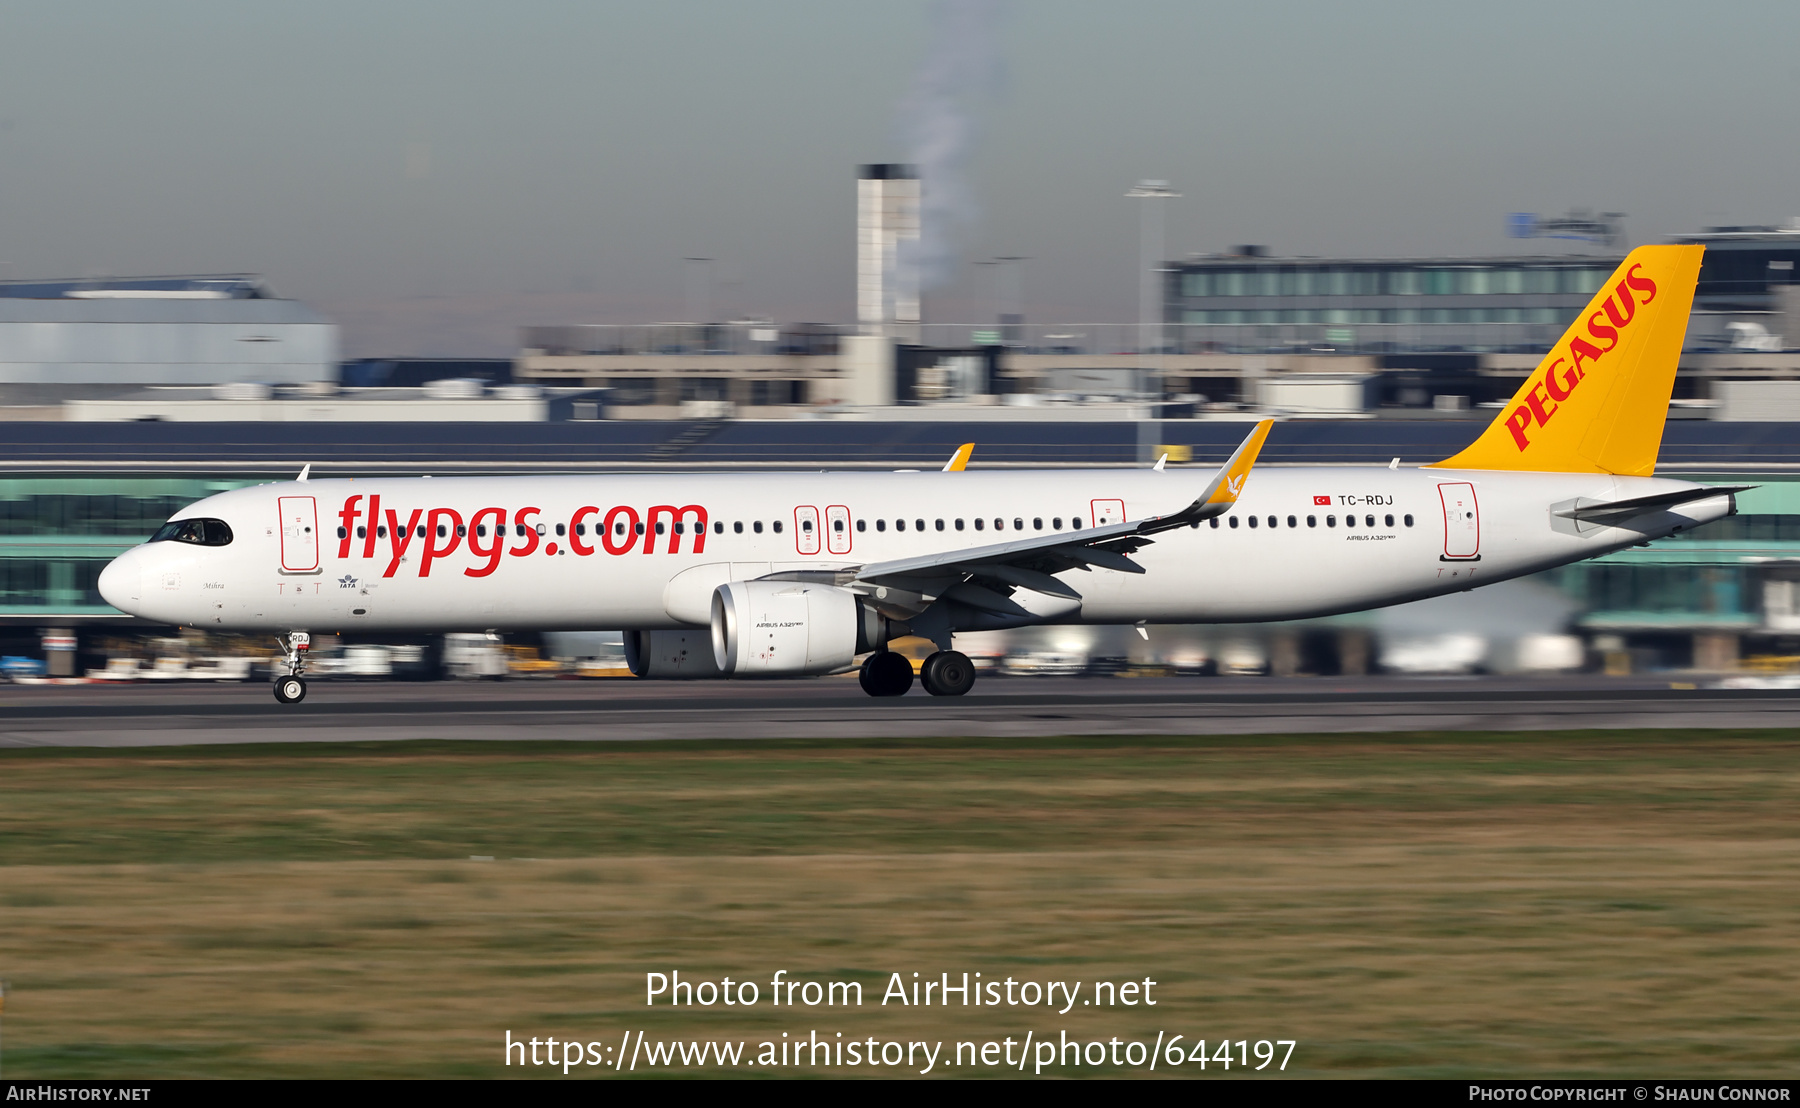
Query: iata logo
{"x": 1559, "y": 382}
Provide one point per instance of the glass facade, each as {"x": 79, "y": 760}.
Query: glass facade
{"x": 58, "y": 533}
{"x": 1266, "y": 305}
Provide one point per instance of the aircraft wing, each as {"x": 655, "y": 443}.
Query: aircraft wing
{"x": 1030, "y": 563}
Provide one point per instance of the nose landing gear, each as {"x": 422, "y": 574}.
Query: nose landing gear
{"x": 291, "y": 687}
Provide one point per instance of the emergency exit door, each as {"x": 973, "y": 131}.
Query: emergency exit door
{"x": 1462, "y": 522}
{"x": 837, "y": 529}
{"x": 299, "y": 534}
{"x": 1108, "y": 511}
{"x": 806, "y": 529}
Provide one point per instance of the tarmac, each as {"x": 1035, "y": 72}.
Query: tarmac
{"x": 625, "y": 710}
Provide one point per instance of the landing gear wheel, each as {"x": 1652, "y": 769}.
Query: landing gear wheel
{"x": 290, "y": 690}
{"x": 886, "y": 674}
{"x": 947, "y": 673}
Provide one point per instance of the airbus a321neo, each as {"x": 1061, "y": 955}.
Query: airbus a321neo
{"x": 783, "y": 575}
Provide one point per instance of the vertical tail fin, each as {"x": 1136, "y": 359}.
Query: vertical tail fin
{"x": 1598, "y": 400}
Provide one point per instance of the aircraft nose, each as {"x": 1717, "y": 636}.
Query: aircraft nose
{"x": 119, "y": 581}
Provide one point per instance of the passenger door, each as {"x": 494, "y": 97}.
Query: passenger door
{"x": 299, "y": 534}
{"x": 1462, "y": 522}
{"x": 837, "y": 529}
{"x": 806, "y": 529}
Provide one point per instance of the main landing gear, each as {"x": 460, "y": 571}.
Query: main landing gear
{"x": 886, "y": 674}
{"x": 291, "y": 687}
{"x": 947, "y": 673}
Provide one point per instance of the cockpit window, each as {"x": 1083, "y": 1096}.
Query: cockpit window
{"x": 200, "y": 532}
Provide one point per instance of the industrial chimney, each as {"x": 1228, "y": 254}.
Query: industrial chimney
{"x": 887, "y": 285}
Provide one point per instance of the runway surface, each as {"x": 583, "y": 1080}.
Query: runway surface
{"x": 627, "y": 710}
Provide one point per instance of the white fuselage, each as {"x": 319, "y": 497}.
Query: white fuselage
{"x": 288, "y": 565}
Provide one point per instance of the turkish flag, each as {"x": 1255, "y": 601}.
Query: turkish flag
{"x": 1322, "y": 501}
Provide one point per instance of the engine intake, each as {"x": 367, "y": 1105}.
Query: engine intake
{"x": 790, "y": 628}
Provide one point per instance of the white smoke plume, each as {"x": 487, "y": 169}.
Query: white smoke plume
{"x": 938, "y": 127}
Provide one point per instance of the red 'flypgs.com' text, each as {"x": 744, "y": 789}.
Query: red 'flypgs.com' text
{"x": 436, "y": 533}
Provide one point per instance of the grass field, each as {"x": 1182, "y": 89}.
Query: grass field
{"x": 1545, "y": 904}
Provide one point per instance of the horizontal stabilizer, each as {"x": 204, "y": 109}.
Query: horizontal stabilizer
{"x": 1662, "y": 501}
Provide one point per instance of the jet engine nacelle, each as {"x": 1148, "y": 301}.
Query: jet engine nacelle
{"x": 790, "y": 628}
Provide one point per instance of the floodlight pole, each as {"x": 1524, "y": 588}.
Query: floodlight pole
{"x": 1150, "y": 251}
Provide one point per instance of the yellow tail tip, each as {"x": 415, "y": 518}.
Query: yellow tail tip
{"x": 1598, "y": 401}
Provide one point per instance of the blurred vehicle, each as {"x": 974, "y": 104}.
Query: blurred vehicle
{"x": 525, "y": 661}
{"x": 1243, "y": 658}
{"x": 473, "y": 656}
{"x": 1044, "y": 663}
{"x": 1457, "y": 652}
{"x": 13, "y": 667}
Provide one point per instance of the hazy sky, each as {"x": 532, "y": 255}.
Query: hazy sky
{"x": 434, "y": 174}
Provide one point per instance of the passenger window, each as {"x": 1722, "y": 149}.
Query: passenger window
{"x": 1387, "y": 521}
{"x": 1272, "y": 521}
{"x": 1349, "y": 521}
{"x": 1215, "y": 522}
{"x": 862, "y": 525}
{"x": 737, "y": 528}
{"x": 1409, "y": 521}
{"x": 659, "y": 527}
{"x": 918, "y": 525}
{"x": 362, "y": 532}
{"x": 1312, "y": 521}
{"x": 899, "y": 525}
{"x": 959, "y": 525}
{"x": 442, "y": 532}
{"x": 1331, "y": 521}
{"x": 777, "y": 526}
{"x": 481, "y": 529}
{"x": 1018, "y": 525}
{"x": 343, "y": 534}
{"x": 757, "y": 526}
{"x": 1368, "y": 521}
{"x": 940, "y": 525}
{"x": 618, "y": 528}
{"x": 559, "y": 530}
{"x": 381, "y": 532}
{"x": 1056, "y": 523}
{"x": 999, "y": 525}
{"x": 838, "y": 526}
{"x": 881, "y": 525}
{"x": 678, "y": 529}
{"x": 638, "y": 527}
{"x": 718, "y": 527}
{"x": 806, "y": 525}
{"x": 1037, "y": 524}
{"x": 1234, "y": 523}
{"x": 420, "y": 532}
{"x": 980, "y": 524}
{"x": 1253, "y": 521}
{"x": 1292, "y": 522}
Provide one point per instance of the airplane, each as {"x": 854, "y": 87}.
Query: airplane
{"x": 753, "y": 575}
